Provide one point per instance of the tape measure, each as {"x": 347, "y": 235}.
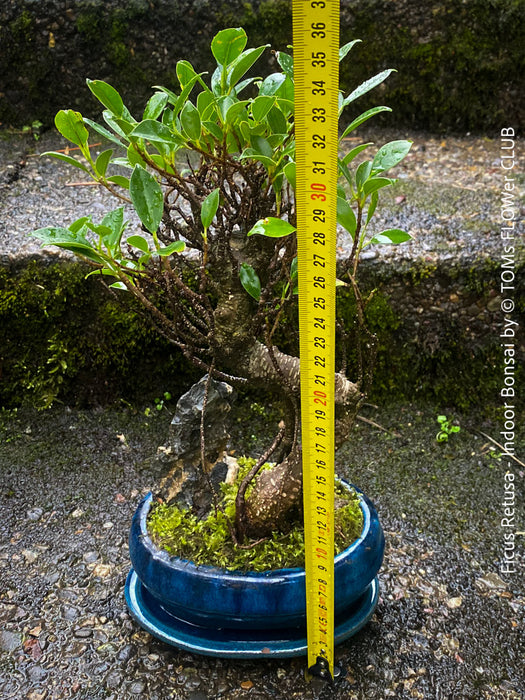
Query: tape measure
{"x": 316, "y": 77}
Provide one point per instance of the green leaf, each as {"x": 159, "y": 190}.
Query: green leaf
{"x": 102, "y": 161}
{"x": 215, "y": 81}
{"x": 114, "y": 220}
{"x": 126, "y": 125}
{"x": 104, "y": 272}
{"x": 390, "y": 154}
{"x": 191, "y": 121}
{"x": 172, "y": 97}
{"x": 277, "y": 121}
{"x": 261, "y": 105}
{"x": 183, "y": 97}
{"x": 228, "y": 44}
{"x": 153, "y": 131}
{"x": 355, "y": 152}
{"x": 345, "y": 216}
{"x": 224, "y": 104}
{"x": 261, "y": 145}
{"x": 289, "y": 172}
{"x": 209, "y": 208}
{"x": 293, "y": 269}
{"x": 236, "y": 110}
{"x": 77, "y": 225}
{"x": 363, "y": 118}
{"x": 155, "y": 105}
{"x": 391, "y": 236}
{"x": 175, "y": 247}
{"x": 286, "y": 63}
{"x": 146, "y": 195}
{"x": 214, "y": 129}
{"x": 69, "y": 240}
{"x": 107, "y": 95}
{"x": 120, "y": 180}
{"x": 132, "y": 158}
{"x": 138, "y": 242}
{"x": 102, "y": 131}
{"x": 66, "y": 159}
{"x": 113, "y": 123}
{"x": 118, "y": 285}
{"x": 374, "y": 199}
{"x": 205, "y": 104}
{"x": 367, "y": 86}
{"x": 376, "y": 183}
{"x": 363, "y": 173}
{"x": 243, "y": 63}
{"x": 250, "y": 281}
{"x": 101, "y": 230}
{"x": 71, "y": 126}
{"x": 244, "y": 83}
{"x": 186, "y": 73}
{"x": 347, "y": 47}
{"x": 272, "y": 228}
{"x": 271, "y": 84}
{"x": 286, "y": 90}
{"x": 255, "y": 155}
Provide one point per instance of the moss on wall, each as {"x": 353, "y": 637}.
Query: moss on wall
{"x": 66, "y": 338}
{"x": 459, "y": 62}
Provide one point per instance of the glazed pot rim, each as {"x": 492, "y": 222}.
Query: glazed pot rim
{"x": 205, "y": 570}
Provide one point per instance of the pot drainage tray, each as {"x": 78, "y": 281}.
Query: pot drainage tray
{"x": 237, "y": 643}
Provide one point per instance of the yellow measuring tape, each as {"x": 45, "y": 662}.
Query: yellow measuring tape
{"x": 316, "y": 76}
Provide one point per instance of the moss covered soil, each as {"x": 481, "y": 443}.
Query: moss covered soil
{"x": 208, "y": 540}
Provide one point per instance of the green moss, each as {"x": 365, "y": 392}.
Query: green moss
{"x": 66, "y": 338}
{"x": 22, "y": 26}
{"x": 110, "y": 31}
{"x": 208, "y": 540}
{"x": 476, "y": 42}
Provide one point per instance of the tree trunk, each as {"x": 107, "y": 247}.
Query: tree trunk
{"x": 277, "y": 492}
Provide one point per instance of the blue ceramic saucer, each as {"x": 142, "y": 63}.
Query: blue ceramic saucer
{"x": 237, "y": 643}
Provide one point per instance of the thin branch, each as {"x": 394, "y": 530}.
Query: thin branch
{"x": 503, "y": 450}
{"x": 379, "y": 427}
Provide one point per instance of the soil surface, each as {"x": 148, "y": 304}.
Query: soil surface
{"x": 449, "y": 623}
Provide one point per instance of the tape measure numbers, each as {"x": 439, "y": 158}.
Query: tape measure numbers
{"x": 316, "y": 76}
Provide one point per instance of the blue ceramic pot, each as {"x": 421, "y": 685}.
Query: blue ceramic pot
{"x": 214, "y": 598}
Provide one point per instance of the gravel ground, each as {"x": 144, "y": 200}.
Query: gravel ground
{"x": 449, "y": 624}
{"x": 446, "y": 196}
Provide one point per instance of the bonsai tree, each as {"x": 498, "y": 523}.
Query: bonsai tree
{"x": 210, "y": 172}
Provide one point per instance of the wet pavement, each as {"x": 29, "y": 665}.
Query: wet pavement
{"x": 449, "y": 624}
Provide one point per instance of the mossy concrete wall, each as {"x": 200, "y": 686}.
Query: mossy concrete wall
{"x": 460, "y": 61}
{"x": 64, "y": 337}
{"x": 67, "y": 338}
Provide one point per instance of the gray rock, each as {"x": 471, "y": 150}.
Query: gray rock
{"x": 34, "y": 513}
{"x": 37, "y": 673}
{"x": 9, "y": 641}
{"x": 185, "y": 426}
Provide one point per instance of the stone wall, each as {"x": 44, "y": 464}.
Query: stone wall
{"x": 459, "y": 61}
